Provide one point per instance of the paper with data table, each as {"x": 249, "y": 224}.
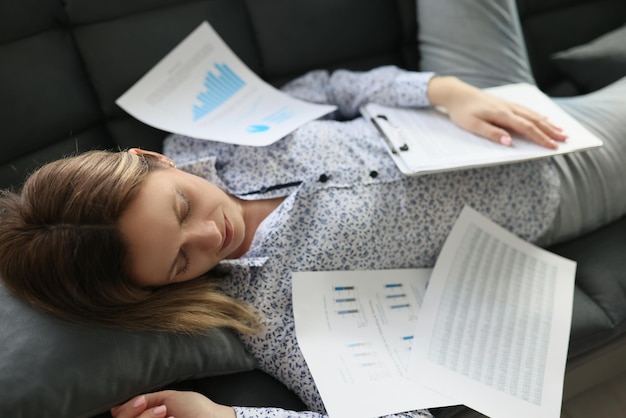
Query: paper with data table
{"x": 203, "y": 90}
{"x": 495, "y": 322}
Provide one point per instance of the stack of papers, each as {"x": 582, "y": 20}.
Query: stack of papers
{"x": 488, "y": 327}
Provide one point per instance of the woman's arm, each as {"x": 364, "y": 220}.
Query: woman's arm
{"x": 468, "y": 107}
{"x": 175, "y": 404}
{"x": 349, "y": 90}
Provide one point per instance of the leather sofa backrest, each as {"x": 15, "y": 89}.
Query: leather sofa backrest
{"x": 65, "y": 62}
{"x": 551, "y": 26}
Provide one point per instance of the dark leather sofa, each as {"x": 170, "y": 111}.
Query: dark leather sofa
{"x": 64, "y": 62}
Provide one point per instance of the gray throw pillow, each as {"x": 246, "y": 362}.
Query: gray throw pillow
{"x": 53, "y": 368}
{"x": 596, "y": 64}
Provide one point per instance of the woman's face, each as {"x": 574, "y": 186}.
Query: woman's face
{"x": 179, "y": 227}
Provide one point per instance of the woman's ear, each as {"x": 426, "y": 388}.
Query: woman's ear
{"x": 162, "y": 158}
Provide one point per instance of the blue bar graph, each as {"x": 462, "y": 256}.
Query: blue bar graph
{"x": 353, "y": 345}
{"x": 219, "y": 88}
{"x": 399, "y": 295}
{"x": 347, "y": 311}
{"x": 344, "y": 300}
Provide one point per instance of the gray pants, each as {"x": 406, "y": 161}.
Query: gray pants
{"x": 480, "y": 41}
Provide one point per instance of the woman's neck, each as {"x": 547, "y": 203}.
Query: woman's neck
{"x": 254, "y": 212}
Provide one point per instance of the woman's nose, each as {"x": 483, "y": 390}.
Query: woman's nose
{"x": 205, "y": 236}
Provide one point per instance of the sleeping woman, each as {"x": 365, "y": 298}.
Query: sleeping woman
{"x": 208, "y": 234}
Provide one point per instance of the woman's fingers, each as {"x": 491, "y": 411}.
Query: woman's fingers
{"x": 156, "y": 412}
{"x": 139, "y": 407}
{"x": 489, "y": 116}
{"x": 531, "y": 130}
{"x": 550, "y": 129}
{"x": 525, "y": 122}
{"x": 131, "y": 409}
{"x": 481, "y": 127}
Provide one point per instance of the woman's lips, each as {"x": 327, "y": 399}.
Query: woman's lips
{"x": 228, "y": 233}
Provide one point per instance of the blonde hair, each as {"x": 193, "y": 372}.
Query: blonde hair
{"x": 62, "y": 250}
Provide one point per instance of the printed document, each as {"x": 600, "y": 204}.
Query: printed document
{"x": 494, "y": 325}
{"x": 203, "y": 90}
{"x": 355, "y": 329}
{"x": 422, "y": 141}
{"x": 488, "y": 327}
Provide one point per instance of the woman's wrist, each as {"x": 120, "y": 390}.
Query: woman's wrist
{"x": 443, "y": 89}
{"x": 223, "y": 411}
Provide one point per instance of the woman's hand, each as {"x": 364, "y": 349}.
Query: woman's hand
{"x": 172, "y": 404}
{"x": 491, "y": 117}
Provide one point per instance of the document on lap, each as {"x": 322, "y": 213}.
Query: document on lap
{"x": 203, "y": 90}
{"x": 490, "y": 330}
{"x": 422, "y": 141}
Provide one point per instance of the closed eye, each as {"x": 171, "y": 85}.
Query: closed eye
{"x": 185, "y": 267}
{"x": 186, "y": 211}
{"x": 184, "y": 216}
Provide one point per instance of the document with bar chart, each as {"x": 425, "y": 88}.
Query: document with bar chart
{"x": 355, "y": 329}
{"x": 203, "y": 90}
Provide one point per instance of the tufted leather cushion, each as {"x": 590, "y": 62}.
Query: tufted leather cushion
{"x": 600, "y": 295}
{"x": 551, "y": 26}
{"x": 596, "y": 64}
{"x": 63, "y": 67}
{"x": 53, "y": 368}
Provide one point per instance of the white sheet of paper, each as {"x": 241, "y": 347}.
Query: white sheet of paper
{"x": 203, "y": 90}
{"x": 355, "y": 330}
{"x": 494, "y": 326}
{"x": 436, "y": 144}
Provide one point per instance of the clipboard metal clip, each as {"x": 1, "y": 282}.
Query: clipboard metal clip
{"x": 390, "y": 133}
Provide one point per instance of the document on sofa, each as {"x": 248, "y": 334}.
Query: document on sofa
{"x": 488, "y": 327}
{"x": 494, "y": 325}
{"x": 423, "y": 141}
{"x": 202, "y": 89}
